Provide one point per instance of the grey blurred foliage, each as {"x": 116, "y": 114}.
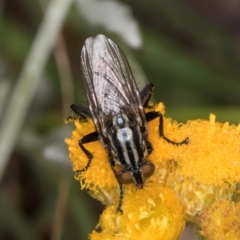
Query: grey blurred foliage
{"x": 189, "y": 50}
{"x": 112, "y": 16}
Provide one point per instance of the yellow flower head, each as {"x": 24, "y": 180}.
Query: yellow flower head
{"x": 209, "y": 168}
{"x": 201, "y": 173}
{"x": 147, "y": 215}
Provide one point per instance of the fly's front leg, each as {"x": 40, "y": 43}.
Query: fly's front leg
{"x": 152, "y": 115}
{"x": 91, "y": 137}
{"x": 121, "y": 193}
{"x": 119, "y": 208}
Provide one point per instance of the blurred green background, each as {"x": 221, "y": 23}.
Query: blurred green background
{"x": 189, "y": 49}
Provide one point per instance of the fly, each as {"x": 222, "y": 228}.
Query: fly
{"x": 117, "y": 109}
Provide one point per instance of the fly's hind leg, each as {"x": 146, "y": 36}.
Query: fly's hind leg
{"x": 152, "y": 115}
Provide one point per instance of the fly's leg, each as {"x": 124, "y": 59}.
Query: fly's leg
{"x": 91, "y": 137}
{"x": 119, "y": 208}
{"x": 146, "y": 94}
{"x": 112, "y": 163}
{"x": 152, "y": 115}
{"x": 81, "y": 111}
{"x": 84, "y": 113}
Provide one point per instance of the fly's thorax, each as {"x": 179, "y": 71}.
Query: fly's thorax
{"x": 126, "y": 140}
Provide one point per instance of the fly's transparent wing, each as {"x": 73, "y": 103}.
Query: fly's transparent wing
{"x": 86, "y": 67}
{"x": 109, "y": 82}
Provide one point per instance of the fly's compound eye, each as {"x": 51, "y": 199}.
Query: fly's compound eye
{"x": 125, "y": 178}
{"x": 148, "y": 169}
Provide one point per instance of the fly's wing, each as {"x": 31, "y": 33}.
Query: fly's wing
{"x": 109, "y": 82}
{"x": 87, "y": 77}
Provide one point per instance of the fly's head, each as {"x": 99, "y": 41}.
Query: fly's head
{"x": 136, "y": 174}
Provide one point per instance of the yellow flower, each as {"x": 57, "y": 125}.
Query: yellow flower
{"x": 201, "y": 173}
{"x": 154, "y": 213}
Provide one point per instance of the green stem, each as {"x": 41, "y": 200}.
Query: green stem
{"x": 30, "y": 76}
